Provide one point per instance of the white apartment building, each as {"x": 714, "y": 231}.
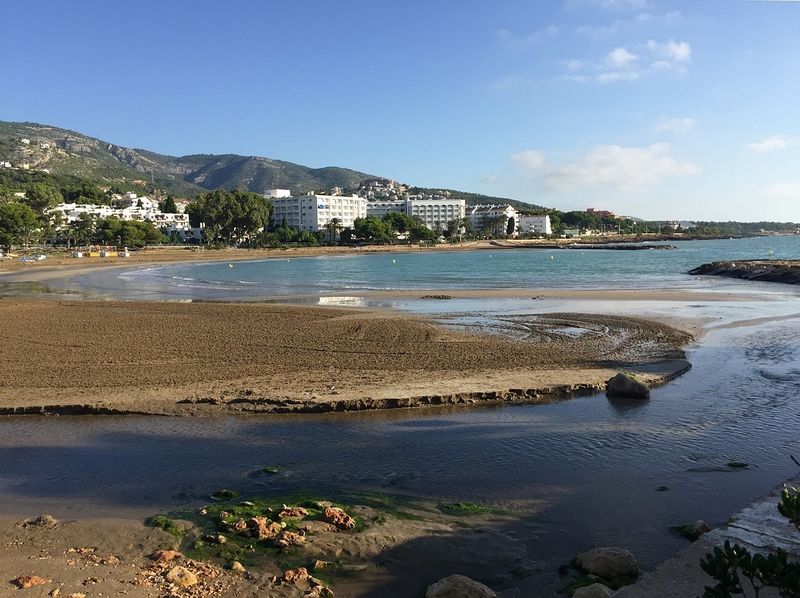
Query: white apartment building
{"x": 380, "y": 208}
{"x": 534, "y": 225}
{"x": 131, "y": 200}
{"x": 275, "y": 193}
{"x": 71, "y": 212}
{"x": 313, "y": 212}
{"x": 435, "y": 212}
{"x": 481, "y": 213}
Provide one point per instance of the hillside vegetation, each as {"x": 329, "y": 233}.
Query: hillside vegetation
{"x": 65, "y": 152}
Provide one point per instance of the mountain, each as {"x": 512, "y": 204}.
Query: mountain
{"x": 68, "y": 152}
{"x": 62, "y": 151}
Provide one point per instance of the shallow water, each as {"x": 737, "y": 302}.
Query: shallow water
{"x": 583, "y": 471}
{"x": 477, "y": 269}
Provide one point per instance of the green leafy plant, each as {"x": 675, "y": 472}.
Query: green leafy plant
{"x": 789, "y": 505}
{"x": 738, "y": 572}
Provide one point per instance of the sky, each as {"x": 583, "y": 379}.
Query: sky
{"x": 650, "y": 108}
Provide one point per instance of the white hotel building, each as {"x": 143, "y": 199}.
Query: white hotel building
{"x": 534, "y": 225}
{"x": 313, "y": 212}
{"x": 431, "y": 212}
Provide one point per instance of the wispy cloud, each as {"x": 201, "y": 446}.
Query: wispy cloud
{"x": 620, "y": 25}
{"x": 772, "y": 143}
{"x": 680, "y": 127}
{"x": 529, "y": 160}
{"x": 623, "y": 168}
{"x": 628, "y": 64}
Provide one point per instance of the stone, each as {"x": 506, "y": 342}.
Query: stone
{"x": 459, "y": 586}
{"x": 608, "y": 562}
{"x": 288, "y": 538}
{"x": 318, "y": 564}
{"x": 165, "y": 556}
{"x": 700, "y": 527}
{"x": 318, "y": 527}
{"x": 76, "y": 595}
{"x": 596, "y": 590}
{"x": 295, "y": 575}
{"x": 54, "y": 593}
{"x": 237, "y": 527}
{"x": 627, "y": 387}
{"x": 237, "y": 567}
{"x": 292, "y": 512}
{"x": 45, "y": 521}
{"x": 338, "y": 517}
{"x": 262, "y": 528}
{"x": 181, "y": 577}
{"x": 28, "y": 581}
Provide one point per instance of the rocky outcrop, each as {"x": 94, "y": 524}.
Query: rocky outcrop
{"x": 785, "y": 271}
{"x": 337, "y": 517}
{"x": 626, "y": 386}
{"x": 459, "y": 586}
{"x": 608, "y": 562}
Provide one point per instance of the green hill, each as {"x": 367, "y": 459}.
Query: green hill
{"x": 65, "y": 152}
{"x": 62, "y": 151}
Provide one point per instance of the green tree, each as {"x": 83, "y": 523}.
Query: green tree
{"x": 41, "y": 197}
{"x": 169, "y": 206}
{"x": 230, "y": 217}
{"x": 372, "y": 230}
{"x": 18, "y": 224}
{"x": 334, "y": 226}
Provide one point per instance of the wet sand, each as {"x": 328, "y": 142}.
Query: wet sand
{"x": 191, "y": 358}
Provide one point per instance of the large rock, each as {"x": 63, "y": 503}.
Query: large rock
{"x": 181, "y": 577}
{"x": 608, "y": 562}
{"x": 627, "y": 387}
{"x": 458, "y": 586}
{"x": 596, "y": 590}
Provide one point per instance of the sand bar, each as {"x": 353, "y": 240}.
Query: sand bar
{"x": 192, "y": 358}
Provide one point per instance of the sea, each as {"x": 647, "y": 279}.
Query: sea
{"x": 580, "y": 472}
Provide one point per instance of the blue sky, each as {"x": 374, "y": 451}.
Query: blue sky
{"x": 645, "y": 107}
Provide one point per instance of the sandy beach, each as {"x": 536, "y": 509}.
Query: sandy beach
{"x": 176, "y": 358}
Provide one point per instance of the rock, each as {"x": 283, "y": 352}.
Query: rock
{"x": 596, "y": 590}
{"x": 318, "y": 527}
{"x": 318, "y": 564}
{"x": 700, "y": 527}
{"x": 262, "y": 528}
{"x": 28, "y": 581}
{"x": 45, "y": 521}
{"x": 164, "y": 556}
{"x": 292, "y": 512}
{"x": 338, "y": 517}
{"x": 181, "y": 576}
{"x": 76, "y": 595}
{"x": 237, "y": 567}
{"x": 458, "y": 586}
{"x": 237, "y": 527}
{"x": 215, "y": 539}
{"x": 627, "y": 387}
{"x": 295, "y": 575}
{"x": 608, "y": 562}
{"x": 54, "y": 593}
{"x": 288, "y": 538}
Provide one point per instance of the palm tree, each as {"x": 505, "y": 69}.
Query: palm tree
{"x": 333, "y": 227}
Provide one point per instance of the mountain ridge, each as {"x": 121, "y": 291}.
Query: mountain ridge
{"x": 65, "y": 151}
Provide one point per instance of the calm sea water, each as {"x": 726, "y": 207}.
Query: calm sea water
{"x": 581, "y": 472}
{"x": 505, "y": 268}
